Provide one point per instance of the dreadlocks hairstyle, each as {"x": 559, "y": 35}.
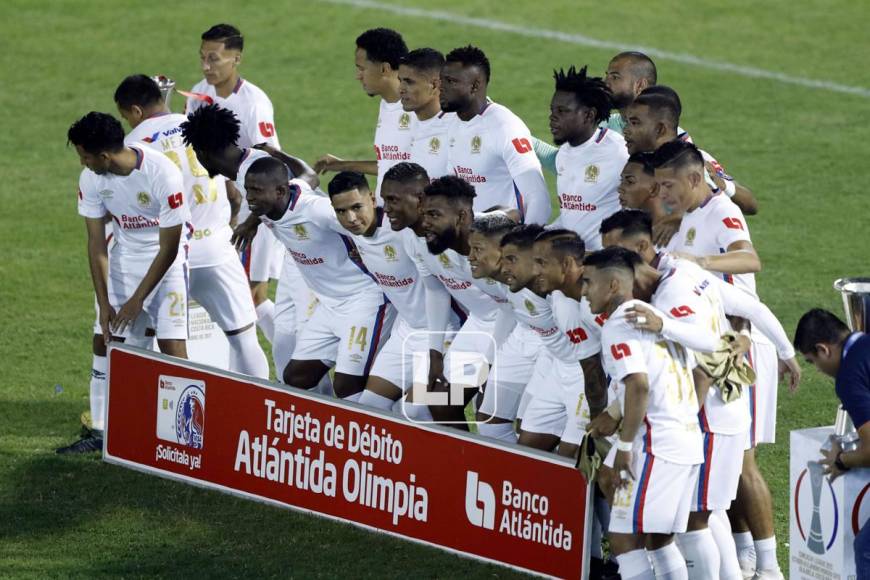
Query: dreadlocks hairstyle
{"x": 383, "y": 45}
{"x": 630, "y": 221}
{"x": 97, "y": 133}
{"x": 406, "y": 171}
{"x": 470, "y": 56}
{"x": 345, "y": 181}
{"x": 424, "y": 59}
{"x": 589, "y": 91}
{"x": 455, "y": 189}
{"x": 211, "y": 128}
{"x": 226, "y": 33}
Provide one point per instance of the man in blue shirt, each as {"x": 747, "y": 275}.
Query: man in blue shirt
{"x": 826, "y": 342}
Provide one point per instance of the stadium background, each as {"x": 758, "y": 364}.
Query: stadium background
{"x": 802, "y": 150}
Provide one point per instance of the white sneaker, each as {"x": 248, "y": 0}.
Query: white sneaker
{"x": 768, "y": 575}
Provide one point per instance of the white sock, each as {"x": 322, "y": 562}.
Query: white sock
{"x": 246, "y": 356}
{"x": 720, "y": 527}
{"x": 372, "y": 399}
{"x": 98, "y": 392}
{"x": 635, "y": 565}
{"x": 503, "y": 432}
{"x": 668, "y": 563}
{"x": 414, "y": 412}
{"x": 283, "y": 344}
{"x": 745, "y": 550}
{"x": 765, "y": 555}
{"x": 266, "y": 318}
{"x": 701, "y": 554}
{"x": 353, "y": 398}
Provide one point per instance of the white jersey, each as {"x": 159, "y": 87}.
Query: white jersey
{"x": 325, "y": 256}
{"x": 429, "y": 144}
{"x": 249, "y": 103}
{"x": 587, "y": 177}
{"x": 489, "y": 152}
{"x": 709, "y": 230}
{"x": 670, "y": 426}
{"x": 248, "y": 158}
{"x": 209, "y": 207}
{"x": 576, "y": 321}
{"x": 392, "y": 139}
{"x": 149, "y": 198}
{"x": 534, "y": 314}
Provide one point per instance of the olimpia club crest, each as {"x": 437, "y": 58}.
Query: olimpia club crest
{"x": 390, "y": 253}
{"x": 445, "y": 261}
{"x": 300, "y": 231}
{"x": 476, "y": 143}
{"x": 592, "y": 172}
{"x": 530, "y": 307}
{"x": 690, "y": 236}
{"x": 404, "y": 121}
{"x": 434, "y": 145}
{"x": 143, "y": 198}
{"x": 181, "y": 411}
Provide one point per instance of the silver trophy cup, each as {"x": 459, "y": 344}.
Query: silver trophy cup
{"x": 167, "y": 85}
{"x": 856, "y": 304}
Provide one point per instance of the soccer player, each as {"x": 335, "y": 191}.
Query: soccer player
{"x": 220, "y": 54}
{"x": 628, "y": 74}
{"x": 638, "y": 189}
{"x": 378, "y": 54}
{"x": 217, "y": 279}
{"x": 388, "y": 249}
{"x": 353, "y": 316}
{"x": 590, "y": 157}
{"x": 420, "y": 90}
{"x": 144, "y": 280}
{"x": 713, "y": 233}
{"x": 489, "y": 146}
{"x": 659, "y": 445}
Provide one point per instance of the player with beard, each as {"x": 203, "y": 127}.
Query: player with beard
{"x": 590, "y": 158}
{"x": 378, "y": 54}
{"x": 490, "y": 147}
{"x": 420, "y": 90}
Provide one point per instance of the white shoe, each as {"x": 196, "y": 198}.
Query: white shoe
{"x": 768, "y": 575}
{"x": 748, "y": 573}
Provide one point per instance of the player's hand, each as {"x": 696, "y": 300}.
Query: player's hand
{"x": 437, "y": 380}
{"x": 740, "y": 346}
{"x": 829, "y": 457}
{"x": 791, "y": 368}
{"x": 603, "y": 425}
{"x": 127, "y": 315}
{"x": 107, "y": 317}
{"x": 623, "y": 469}
{"x": 665, "y": 229}
{"x": 243, "y": 234}
{"x": 714, "y": 175}
{"x": 327, "y": 163}
{"x": 265, "y": 147}
{"x": 644, "y": 318}
{"x": 607, "y": 481}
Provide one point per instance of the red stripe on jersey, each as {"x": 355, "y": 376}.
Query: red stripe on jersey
{"x": 601, "y": 133}
{"x": 239, "y": 84}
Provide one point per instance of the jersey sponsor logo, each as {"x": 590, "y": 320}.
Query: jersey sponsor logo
{"x": 266, "y": 129}
{"x": 522, "y": 145}
{"x": 577, "y": 335}
{"x": 476, "y": 143}
{"x": 434, "y": 145}
{"x": 620, "y": 351}
{"x": 699, "y": 289}
{"x": 571, "y": 201}
{"x": 592, "y": 172}
{"x": 733, "y": 223}
{"x": 690, "y": 236}
{"x": 530, "y": 307}
{"x": 681, "y": 311}
{"x": 479, "y": 502}
{"x": 176, "y": 200}
{"x": 390, "y": 253}
{"x": 601, "y": 319}
{"x": 144, "y": 199}
{"x": 404, "y": 121}
{"x": 152, "y": 138}
{"x": 301, "y": 232}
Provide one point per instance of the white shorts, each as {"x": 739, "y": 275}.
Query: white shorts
{"x": 657, "y": 501}
{"x": 263, "y": 257}
{"x": 719, "y": 475}
{"x": 395, "y": 363}
{"x": 165, "y": 309}
{"x": 99, "y": 329}
{"x": 350, "y": 337}
{"x": 762, "y": 395}
{"x": 470, "y": 354}
{"x": 294, "y": 301}
{"x": 224, "y": 293}
{"x": 557, "y": 405}
{"x": 514, "y": 367}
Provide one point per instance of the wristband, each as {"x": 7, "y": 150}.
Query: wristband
{"x": 624, "y": 445}
{"x": 838, "y": 461}
{"x": 730, "y": 189}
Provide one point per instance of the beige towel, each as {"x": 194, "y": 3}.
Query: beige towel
{"x": 730, "y": 373}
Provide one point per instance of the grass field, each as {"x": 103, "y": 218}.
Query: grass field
{"x": 802, "y": 150}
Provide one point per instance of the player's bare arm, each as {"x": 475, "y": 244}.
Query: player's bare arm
{"x": 743, "y": 196}
{"x": 739, "y": 258}
{"x": 244, "y": 233}
{"x": 299, "y": 168}
{"x": 234, "y": 196}
{"x": 636, "y": 400}
{"x": 98, "y": 257}
{"x": 595, "y": 384}
{"x": 332, "y": 163}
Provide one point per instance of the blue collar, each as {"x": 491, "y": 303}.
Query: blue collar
{"x": 850, "y": 342}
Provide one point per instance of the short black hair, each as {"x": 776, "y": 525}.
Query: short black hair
{"x": 345, "y": 181}
{"x": 406, "y": 171}
{"x": 630, "y": 221}
{"x": 642, "y": 66}
{"x": 818, "y": 326}
{"x": 274, "y": 168}
{"x": 470, "y": 56}
{"x": 211, "y": 128}
{"x": 557, "y": 233}
{"x": 613, "y": 258}
{"x": 456, "y": 189}
{"x": 662, "y": 107}
{"x": 589, "y": 91}
{"x": 677, "y": 154}
{"x": 573, "y": 247}
{"x": 140, "y": 90}
{"x": 383, "y": 45}
{"x": 492, "y": 224}
{"x": 226, "y": 33}
{"x": 668, "y": 92}
{"x": 423, "y": 59}
{"x": 645, "y": 160}
{"x": 522, "y": 236}
{"x": 97, "y": 133}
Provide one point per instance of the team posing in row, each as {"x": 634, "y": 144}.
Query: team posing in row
{"x": 441, "y": 286}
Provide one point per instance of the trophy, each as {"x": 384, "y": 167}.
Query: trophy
{"x": 167, "y": 85}
{"x": 856, "y": 304}
{"x": 815, "y": 542}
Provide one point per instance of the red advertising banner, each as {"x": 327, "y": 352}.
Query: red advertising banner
{"x": 200, "y": 425}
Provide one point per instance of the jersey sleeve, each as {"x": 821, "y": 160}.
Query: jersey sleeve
{"x": 853, "y": 389}
{"x": 731, "y": 227}
{"x": 89, "y": 202}
{"x": 621, "y": 350}
{"x": 688, "y": 318}
{"x": 736, "y": 302}
{"x": 261, "y": 125}
{"x": 167, "y": 185}
{"x": 519, "y": 155}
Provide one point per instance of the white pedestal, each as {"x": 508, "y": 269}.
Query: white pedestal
{"x": 206, "y": 343}
{"x": 824, "y": 515}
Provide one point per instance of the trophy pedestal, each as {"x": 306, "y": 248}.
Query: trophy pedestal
{"x": 206, "y": 342}
{"x": 824, "y": 516}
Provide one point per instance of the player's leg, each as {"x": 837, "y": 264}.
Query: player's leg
{"x": 362, "y": 331}
{"x": 166, "y": 307}
{"x": 392, "y": 372}
{"x": 545, "y": 417}
{"x": 315, "y": 343}
{"x": 629, "y": 512}
{"x": 514, "y": 366}
{"x": 262, "y": 261}
{"x": 729, "y": 566}
{"x": 294, "y": 305}
{"x": 573, "y": 387}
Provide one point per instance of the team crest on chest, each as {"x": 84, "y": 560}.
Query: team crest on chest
{"x": 530, "y": 307}
{"x": 300, "y": 231}
{"x": 690, "y": 236}
{"x": 390, "y": 253}
{"x": 434, "y": 145}
{"x": 143, "y": 199}
{"x": 476, "y": 142}
{"x": 592, "y": 172}
{"x": 445, "y": 261}
{"x": 404, "y": 121}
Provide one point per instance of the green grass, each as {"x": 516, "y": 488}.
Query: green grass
{"x": 803, "y": 151}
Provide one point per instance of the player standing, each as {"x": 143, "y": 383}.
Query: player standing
{"x": 489, "y": 146}
{"x": 420, "y": 90}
